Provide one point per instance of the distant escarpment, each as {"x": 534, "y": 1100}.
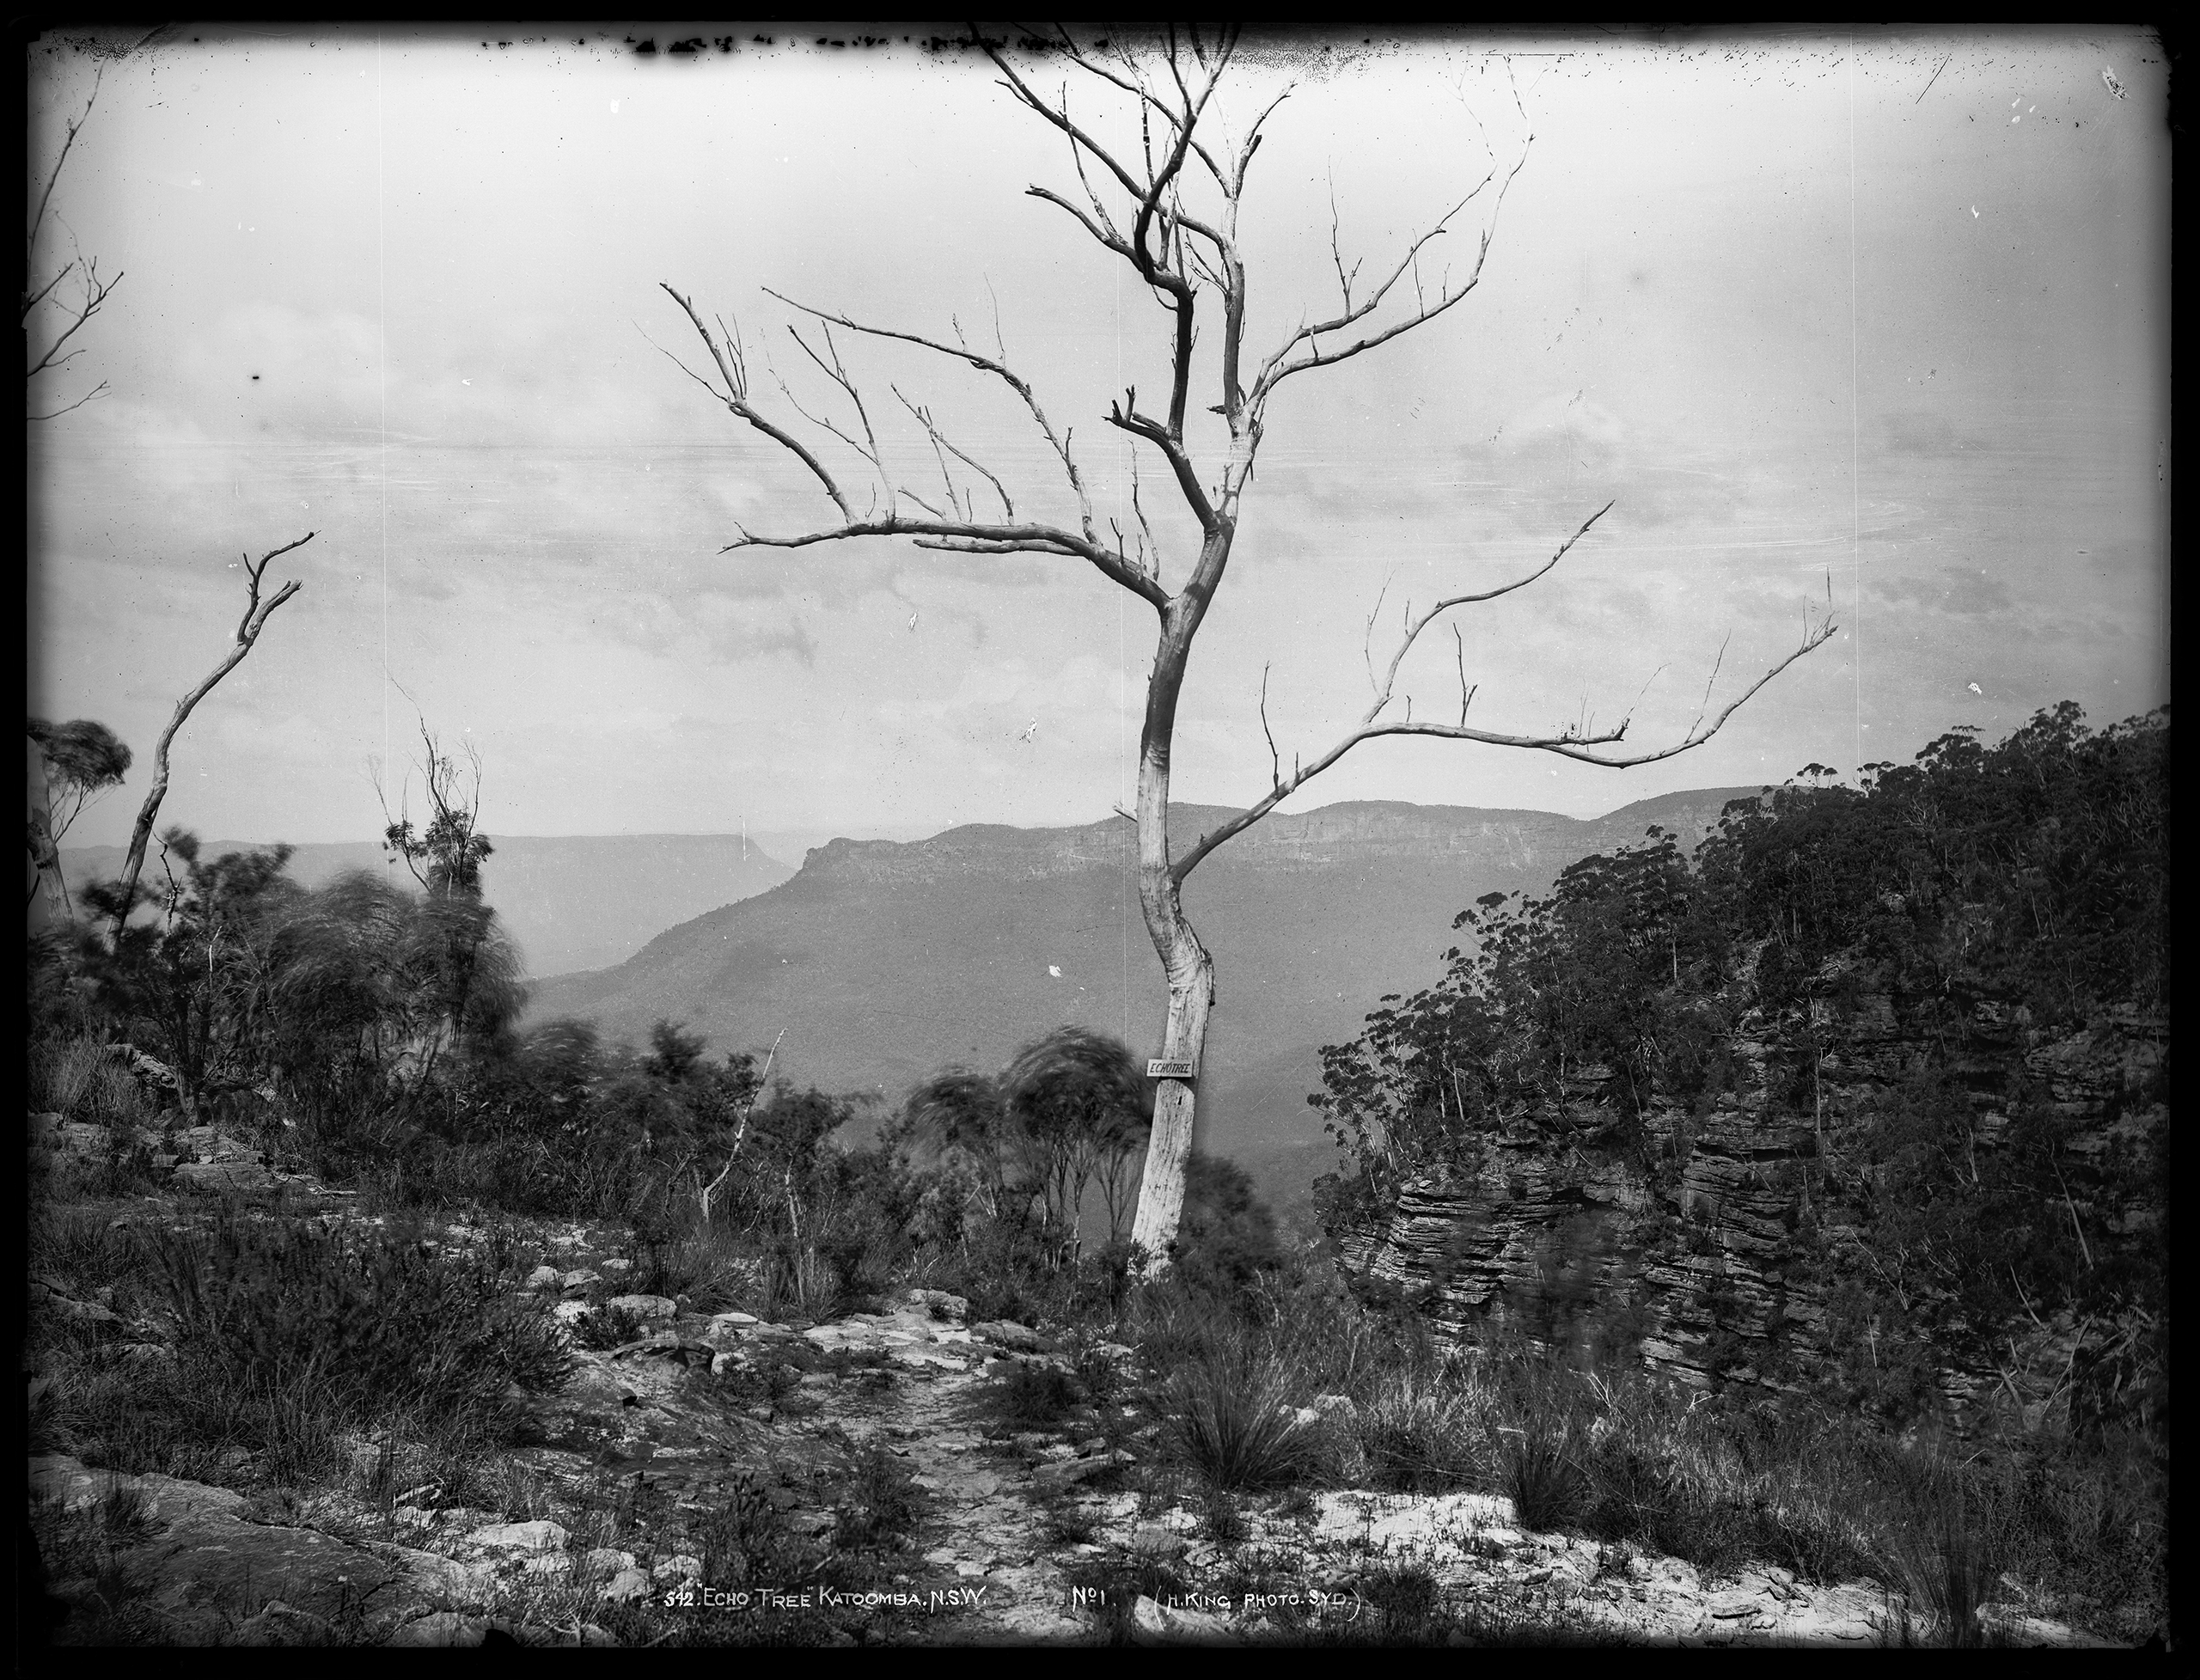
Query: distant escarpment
{"x": 883, "y": 961}
{"x": 1869, "y": 1097}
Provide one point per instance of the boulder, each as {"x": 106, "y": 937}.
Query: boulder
{"x": 1049, "y": 1480}
{"x": 643, "y": 1306}
{"x": 1160, "y": 1543}
{"x": 627, "y": 1585}
{"x": 224, "y": 1177}
{"x": 283, "y": 1624}
{"x": 539, "y": 1535}
{"x": 602, "y": 1563}
{"x": 1017, "y": 1338}
{"x": 1154, "y": 1623}
{"x": 442, "y": 1628}
{"x": 80, "y": 1312}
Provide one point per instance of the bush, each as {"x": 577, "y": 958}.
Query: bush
{"x": 1036, "y": 1394}
{"x": 1420, "y": 1433}
{"x": 608, "y": 1327}
{"x": 747, "y": 1543}
{"x": 351, "y": 1313}
{"x": 880, "y": 1506}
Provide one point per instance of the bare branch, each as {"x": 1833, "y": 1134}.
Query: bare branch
{"x": 45, "y": 197}
{"x": 1113, "y": 239}
{"x": 677, "y": 363}
{"x": 973, "y": 537}
{"x": 1151, "y": 541}
{"x": 1253, "y": 137}
{"x": 1126, "y": 416}
{"x": 1414, "y": 627}
{"x": 1336, "y": 253}
{"x": 1367, "y": 639}
{"x": 941, "y": 441}
{"x": 1141, "y": 91}
{"x": 1713, "y": 677}
{"x": 986, "y": 364}
{"x": 1466, "y": 694}
{"x": 1275, "y": 759}
{"x": 1060, "y": 120}
{"x": 1279, "y": 366}
{"x": 98, "y": 390}
{"x": 31, "y": 300}
{"x": 728, "y": 358}
{"x": 1567, "y": 743}
{"x": 95, "y": 293}
{"x": 839, "y": 376}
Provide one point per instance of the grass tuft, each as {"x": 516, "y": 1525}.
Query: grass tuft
{"x": 1228, "y": 1415}
{"x": 1542, "y": 1478}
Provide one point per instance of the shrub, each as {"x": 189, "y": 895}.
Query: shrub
{"x": 1408, "y": 1604}
{"x": 1226, "y": 1519}
{"x": 880, "y": 1506}
{"x": 350, "y": 1313}
{"x": 1068, "y": 1526}
{"x": 746, "y": 1541}
{"x": 608, "y": 1327}
{"x": 1037, "y": 1394}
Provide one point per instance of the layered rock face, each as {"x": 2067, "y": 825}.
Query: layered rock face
{"x": 1695, "y": 1234}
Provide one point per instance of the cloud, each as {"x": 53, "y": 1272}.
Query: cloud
{"x": 723, "y": 632}
{"x": 1567, "y": 447}
{"x": 1921, "y": 433}
{"x": 1962, "y": 591}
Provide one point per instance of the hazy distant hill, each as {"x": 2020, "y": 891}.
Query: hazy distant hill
{"x": 571, "y": 901}
{"x": 884, "y": 961}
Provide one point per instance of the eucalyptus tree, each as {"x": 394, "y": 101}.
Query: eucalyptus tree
{"x": 1165, "y": 203}
{"x": 76, "y": 761}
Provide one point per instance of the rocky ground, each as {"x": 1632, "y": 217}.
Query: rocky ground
{"x": 1072, "y": 1532}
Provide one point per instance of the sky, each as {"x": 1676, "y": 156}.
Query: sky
{"x": 1874, "y": 324}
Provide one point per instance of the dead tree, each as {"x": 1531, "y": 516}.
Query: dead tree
{"x": 446, "y": 858}
{"x": 73, "y": 306}
{"x": 254, "y": 620}
{"x": 1174, "y": 222}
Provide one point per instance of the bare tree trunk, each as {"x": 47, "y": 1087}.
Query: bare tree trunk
{"x": 248, "y": 629}
{"x": 1185, "y": 961}
{"x": 1161, "y": 1192}
{"x": 44, "y": 855}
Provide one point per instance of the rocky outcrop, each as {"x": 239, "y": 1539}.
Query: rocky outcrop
{"x": 1355, "y": 833}
{"x": 1700, "y": 1258}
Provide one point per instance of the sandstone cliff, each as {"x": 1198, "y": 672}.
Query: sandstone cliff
{"x": 1724, "y": 1238}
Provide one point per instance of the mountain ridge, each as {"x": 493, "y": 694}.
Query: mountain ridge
{"x": 884, "y": 961}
